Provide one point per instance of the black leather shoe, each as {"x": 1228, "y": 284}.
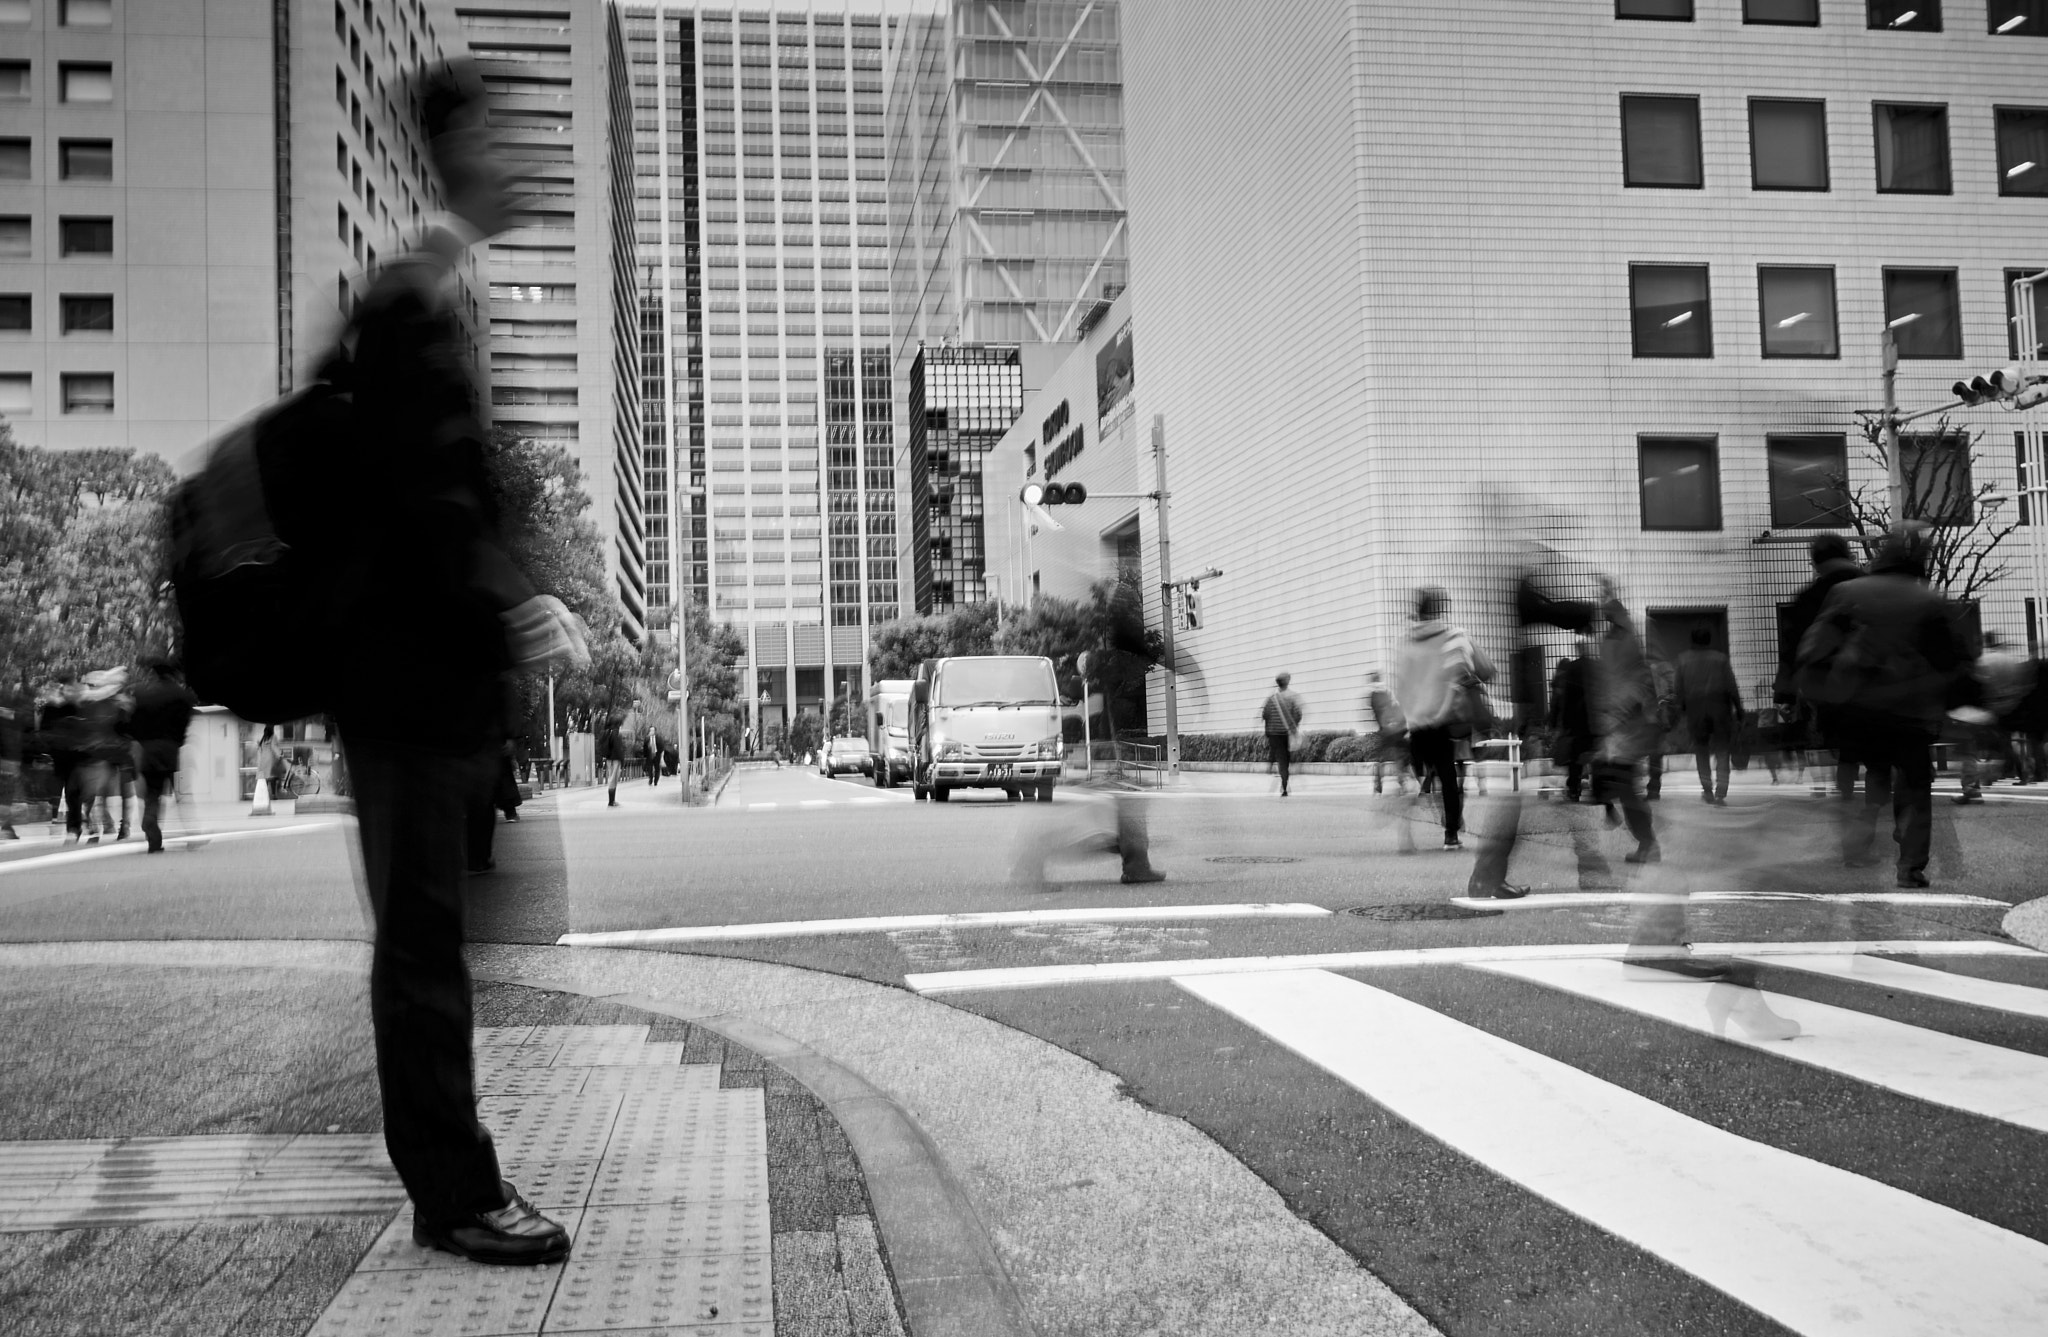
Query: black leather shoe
{"x": 514, "y": 1235}
{"x": 1914, "y": 880}
{"x": 1132, "y": 877}
{"x": 1644, "y": 854}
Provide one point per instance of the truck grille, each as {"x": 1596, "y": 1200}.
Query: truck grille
{"x": 999, "y": 752}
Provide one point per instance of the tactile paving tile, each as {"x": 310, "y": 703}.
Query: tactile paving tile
{"x": 494, "y": 1058}
{"x": 394, "y": 1250}
{"x": 466, "y": 1301}
{"x": 549, "y": 1127}
{"x": 501, "y": 1035}
{"x": 692, "y": 1123}
{"x": 665, "y": 1078}
{"x": 551, "y": 1185}
{"x": 651, "y": 1230}
{"x": 607, "y": 1294}
{"x": 531, "y": 1081}
{"x": 665, "y": 1177}
{"x": 600, "y": 1046}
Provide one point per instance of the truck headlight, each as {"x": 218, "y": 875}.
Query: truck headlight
{"x": 948, "y": 749}
{"x": 1051, "y": 747}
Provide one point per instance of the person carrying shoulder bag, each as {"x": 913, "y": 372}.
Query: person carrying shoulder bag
{"x": 1282, "y": 717}
{"x": 1437, "y": 681}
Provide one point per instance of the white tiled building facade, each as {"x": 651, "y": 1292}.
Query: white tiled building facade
{"x": 1381, "y": 257}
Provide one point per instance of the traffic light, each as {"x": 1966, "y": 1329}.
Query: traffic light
{"x": 2004, "y": 383}
{"x": 1194, "y": 610}
{"x": 1053, "y": 494}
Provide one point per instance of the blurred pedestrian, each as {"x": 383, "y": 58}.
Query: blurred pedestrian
{"x": 1629, "y": 717}
{"x": 267, "y": 764}
{"x": 611, "y": 757}
{"x": 1832, "y": 566}
{"x": 10, "y": 769}
{"x": 1435, "y": 674}
{"x": 2004, "y": 677}
{"x": 1281, "y": 716}
{"x": 1711, "y": 704}
{"x": 650, "y": 748}
{"x": 1390, "y": 745}
{"x": 434, "y": 599}
{"x": 60, "y": 731}
{"x": 103, "y": 713}
{"x": 1664, "y": 693}
{"x": 162, "y": 714}
{"x": 1571, "y": 719}
{"x": 1885, "y": 653}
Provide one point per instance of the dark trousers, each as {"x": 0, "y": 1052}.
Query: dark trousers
{"x": 411, "y": 805}
{"x": 155, "y": 784}
{"x": 70, "y": 790}
{"x": 1436, "y": 756}
{"x": 1710, "y": 745}
{"x": 1615, "y": 782}
{"x": 1898, "y": 762}
{"x": 1278, "y": 754}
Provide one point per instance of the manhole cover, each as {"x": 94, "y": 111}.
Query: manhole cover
{"x": 1252, "y": 858}
{"x": 1411, "y": 911}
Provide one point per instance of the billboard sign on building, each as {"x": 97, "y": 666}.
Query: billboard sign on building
{"x": 1113, "y": 378}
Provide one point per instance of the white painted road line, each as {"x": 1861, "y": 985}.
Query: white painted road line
{"x": 1568, "y": 899}
{"x": 1816, "y": 1248}
{"x": 1967, "y": 1075}
{"x": 81, "y": 853}
{"x": 1905, "y": 978}
{"x": 803, "y": 928}
{"x": 1124, "y": 972}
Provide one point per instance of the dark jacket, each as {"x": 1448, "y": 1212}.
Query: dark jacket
{"x": 1707, "y": 692}
{"x": 611, "y": 744}
{"x": 1800, "y": 617}
{"x": 163, "y": 712}
{"x": 1570, "y": 708}
{"x": 1884, "y": 647}
{"x": 419, "y": 632}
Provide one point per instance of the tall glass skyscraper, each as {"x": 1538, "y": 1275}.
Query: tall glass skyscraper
{"x": 762, "y": 220}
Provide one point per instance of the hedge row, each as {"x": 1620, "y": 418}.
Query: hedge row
{"x": 1324, "y": 746}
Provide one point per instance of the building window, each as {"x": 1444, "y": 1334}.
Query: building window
{"x": 2019, "y": 443}
{"x": 1788, "y": 144}
{"x": 1912, "y": 147}
{"x": 1670, "y": 311}
{"x": 1937, "y": 470}
{"x": 1809, "y": 481}
{"x": 1788, "y": 13}
{"x": 85, "y": 236}
{"x": 1903, "y": 15}
{"x": 1660, "y": 141}
{"x": 13, "y": 79}
{"x": 14, "y": 237}
{"x": 86, "y": 83}
{"x": 15, "y": 313}
{"x": 14, "y": 160}
{"x": 2022, "y": 150}
{"x": 1681, "y": 482}
{"x": 2012, "y": 312}
{"x": 1797, "y": 304}
{"x": 1929, "y": 294}
{"x": 88, "y": 313}
{"x": 88, "y": 392}
{"x": 15, "y": 11}
{"x": 15, "y": 392}
{"x": 1670, "y": 11}
{"x": 2018, "y": 18}
{"x": 85, "y": 159}
{"x": 341, "y": 223}
{"x": 88, "y": 13}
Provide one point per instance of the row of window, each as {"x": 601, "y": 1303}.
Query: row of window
{"x": 2003, "y": 18}
{"x": 1680, "y": 480}
{"x": 77, "y": 312}
{"x": 75, "y": 236}
{"x": 1671, "y": 311}
{"x": 77, "y": 159}
{"x": 80, "y": 82}
{"x": 80, "y": 392}
{"x": 70, "y": 13}
{"x": 1788, "y": 145}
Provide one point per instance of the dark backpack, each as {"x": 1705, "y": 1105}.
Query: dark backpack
{"x": 258, "y": 544}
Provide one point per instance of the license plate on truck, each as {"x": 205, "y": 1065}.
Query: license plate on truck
{"x": 999, "y": 771}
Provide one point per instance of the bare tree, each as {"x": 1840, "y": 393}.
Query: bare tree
{"x": 1965, "y": 521}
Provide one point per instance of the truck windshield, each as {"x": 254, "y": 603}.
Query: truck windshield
{"x": 999, "y": 681}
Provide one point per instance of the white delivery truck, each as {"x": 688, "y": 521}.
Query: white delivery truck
{"x": 985, "y": 722}
{"x": 889, "y": 730}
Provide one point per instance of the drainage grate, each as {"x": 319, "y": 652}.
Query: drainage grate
{"x": 1252, "y": 858}
{"x": 1410, "y": 911}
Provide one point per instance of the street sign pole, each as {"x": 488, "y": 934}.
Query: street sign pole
{"x": 1166, "y": 597}
{"x": 1895, "y": 469}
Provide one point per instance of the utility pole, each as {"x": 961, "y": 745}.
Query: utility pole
{"x": 682, "y": 703}
{"x": 1895, "y": 468}
{"x": 1166, "y": 597}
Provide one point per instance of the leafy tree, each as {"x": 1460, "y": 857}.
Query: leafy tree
{"x": 805, "y": 733}
{"x": 901, "y": 645}
{"x": 83, "y": 560}
{"x": 1108, "y": 626}
{"x": 1965, "y": 525}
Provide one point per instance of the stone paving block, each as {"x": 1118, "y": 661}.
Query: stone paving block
{"x": 848, "y": 1197}
{"x": 394, "y": 1251}
{"x": 630, "y": 1180}
{"x": 303, "y": 1287}
{"x": 808, "y": 1299}
{"x": 603, "y": 1294}
{"x": 654, "y": 1229}
{"x": 441, "y": 1302}
{"x": 703, "y": 1046}
{"x": 870, "y": 1300}
{"x": 800, "y": 1198}
{"x": 550, "y": 1185}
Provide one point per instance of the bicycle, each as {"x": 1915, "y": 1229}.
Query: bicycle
{"x": 296, "y": 779}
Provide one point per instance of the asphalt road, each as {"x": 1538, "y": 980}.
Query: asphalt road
{"x": 1563, "y": 1145}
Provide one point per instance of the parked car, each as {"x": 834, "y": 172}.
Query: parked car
{"x": 846, "y": 754}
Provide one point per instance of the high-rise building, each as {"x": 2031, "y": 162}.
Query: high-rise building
{"x": 962, "y": 400}
{"x": 1615, "y": 272}
{"x": 1007, "y": 221}
{"x": 189, "y": 199}
{"x": 564, "y": 310}
{"x": 771, "y": 445}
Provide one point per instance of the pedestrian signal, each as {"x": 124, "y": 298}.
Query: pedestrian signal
{"x": 2005, "y": 383}
{"x": 1053, "y": 494}
{"x": 1193, "y": 610}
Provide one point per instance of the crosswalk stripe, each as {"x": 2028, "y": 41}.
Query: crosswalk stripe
{"x": 799, "y": 928}
{"x": 2023, "y": 999}
{"x": 1124, "y": 972}
{"x": 1567, "y": 899}
{"x": 1967, "y": 1075}
{"x": 83, "y": 853}
{"x": 1818, "y": 1249}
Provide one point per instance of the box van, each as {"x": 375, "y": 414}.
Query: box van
{"x": 889, "y": 730}
{"x": 985, "y": 722}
